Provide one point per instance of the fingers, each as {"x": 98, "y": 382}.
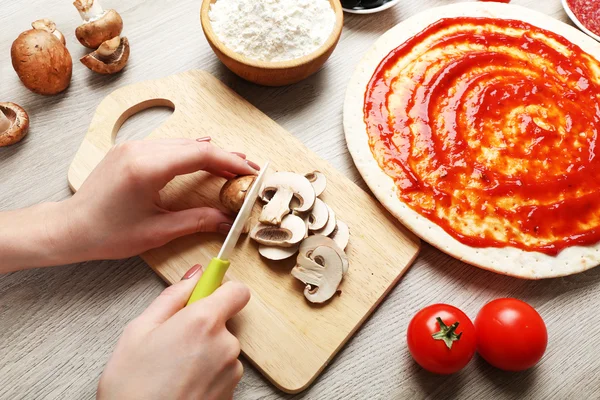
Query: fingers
{"x": 172, "y": 299}
{"x": 195, "y": 157}
{"x": 226, "y": 301}
{"x": 175, "y": 224}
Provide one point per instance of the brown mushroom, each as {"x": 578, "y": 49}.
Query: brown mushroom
{"x": 110, "y": 57}
{"x": 233, "y": 192}
{"x": 50, "y": 27}
{"x": 41, "y": 60}
{"x": 14, "y": 123}
{"x": 277, "y": 253}
{"x": 330, "y": 225}
{"x": 319, "y": 215}
{"x": 98, "y": 25}
{"x": 279, "y": 189}
{"x": 341, "y": 234}
{"x": 312, "y": 242}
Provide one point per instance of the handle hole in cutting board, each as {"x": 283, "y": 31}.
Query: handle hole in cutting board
{"x": 140, "y": 120}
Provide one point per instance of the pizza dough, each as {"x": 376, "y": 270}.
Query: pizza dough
{"x": 507, "y": 260}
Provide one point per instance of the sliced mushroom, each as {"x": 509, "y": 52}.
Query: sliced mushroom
{"x": 318, "y": 181}
{"x": 233, "y": 192}
{"x": 279, "y": 189}
{"x": 341, "y": 234}
{"x": 110, "y": 57}
{"x": 14, "y": 123}
{"x": 277, "y": 253}
{"x": 98, "y": 25}
{"x": 319, "y": 215}
{"x": 321, "y": 271}
{"x": 330, "y": 226}
{"x": 41, "y": 59}
{"x": 312, "y": 242}
{"x": 290, "y": 232}
{"x": 50, "y": 27}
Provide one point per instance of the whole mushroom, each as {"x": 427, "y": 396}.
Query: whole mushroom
{"x": 98, "y": 25}
{"x": 14, "y": 123}
{"x": 109, "y": 58}
{"x": 233, "y": 193}
{"x": 41, "y": 60}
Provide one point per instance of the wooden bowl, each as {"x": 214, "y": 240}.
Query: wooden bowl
{"x": 278, "y": 73}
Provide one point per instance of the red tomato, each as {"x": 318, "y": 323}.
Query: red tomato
{"x": 511, "y": 335}
{"x": 441, "y": 339}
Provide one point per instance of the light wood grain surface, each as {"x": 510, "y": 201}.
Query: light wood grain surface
{"x": 59, "y": 325}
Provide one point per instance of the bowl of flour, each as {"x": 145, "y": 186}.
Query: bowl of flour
{"x": 272, "y": 42}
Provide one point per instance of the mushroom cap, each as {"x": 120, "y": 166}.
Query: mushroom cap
{"x": 233, "y": 193}
{"x": 319, "y": 215}
{"x": 318, "y": 181}
{"x": 42, "y": 62}
{"x": 111, "y": 64}
{"x": 14, "y": 123}
{"x": 312, "y": 242}
{"x": 321, "y": 271}
{"x": 290, "y": 232}
{"x": 280, "y": 190}
{"x": 341, "y": 234}
{"x": 331, "y": 223}
{"x": 94, "y": 32}
{"x": 277, "y": 253}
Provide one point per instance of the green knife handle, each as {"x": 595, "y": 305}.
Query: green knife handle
{"x": 210, "y": 280}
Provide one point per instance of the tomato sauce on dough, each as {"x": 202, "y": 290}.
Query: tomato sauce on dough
{"x": 489, "y": 128}
{"x": 587, "y": 12}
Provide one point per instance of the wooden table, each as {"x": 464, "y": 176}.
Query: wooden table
{"x": 59, "y": 325}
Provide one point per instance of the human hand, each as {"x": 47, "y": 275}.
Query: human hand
{"x": 118, "y": 211}
{"x": 172, "y": 352}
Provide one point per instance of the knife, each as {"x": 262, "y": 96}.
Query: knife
{"x": 217, "y": 267}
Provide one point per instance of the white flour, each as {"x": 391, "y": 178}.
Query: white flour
{"x": 272, "y": 30}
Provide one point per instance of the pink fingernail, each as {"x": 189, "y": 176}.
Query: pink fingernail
{"x": 204, "y": 139}
{"x": 192, "y": 271}
{"x": 224, "y": 228}
{"x": 253, "y": 165}
{"x": 241, "y": 155}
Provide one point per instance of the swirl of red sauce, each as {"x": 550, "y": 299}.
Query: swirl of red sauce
{"x": 489, "y": 128}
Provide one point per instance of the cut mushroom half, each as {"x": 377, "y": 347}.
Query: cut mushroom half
{"x": 319, "y": 215}
{"x": 14, "y": 123}
{"x": 279, "y": 189}
{"x": 318, "y": 181}
{"x": 341, "y": 234}
{"x": 290, "y": 232}
{"x": 321, "y": 271}
{"x": 50, "y": 27}
{"x": 312, "y": 242}
{"x": 329, "y": 226}
{"x": 110, "y": 57}
{"x": 233, "y": 193}
{"x": 98, "y": 25}
{"x": 277, "y": 253}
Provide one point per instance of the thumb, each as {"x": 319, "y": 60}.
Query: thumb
{"x": 173, "y": 298}
{"x": 193, "y": 220}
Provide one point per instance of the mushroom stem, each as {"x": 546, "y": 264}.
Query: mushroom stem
{"x": 108, "y": 48}
{"x": 278, "y": 207}
{"x": 89, "y": 10}
{"x": 4, "y": 122}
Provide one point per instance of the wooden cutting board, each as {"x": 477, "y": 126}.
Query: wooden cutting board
{"x": 288, "y": 339}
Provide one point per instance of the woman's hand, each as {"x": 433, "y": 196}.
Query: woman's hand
{"x": 118, "y": 212}
{"x": 172, "y": 352}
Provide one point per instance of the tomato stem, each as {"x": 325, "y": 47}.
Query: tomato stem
{"x": 447, "y": 333}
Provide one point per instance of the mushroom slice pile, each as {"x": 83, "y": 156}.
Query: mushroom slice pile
{"x": 98, "y": 25}
{"x": 278, "y": 190}
{"x": 14, "y": 123}
{"x": 320, "y": 265}
{"x": 296, "y": 220}
{"x": 109, "y": 58}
